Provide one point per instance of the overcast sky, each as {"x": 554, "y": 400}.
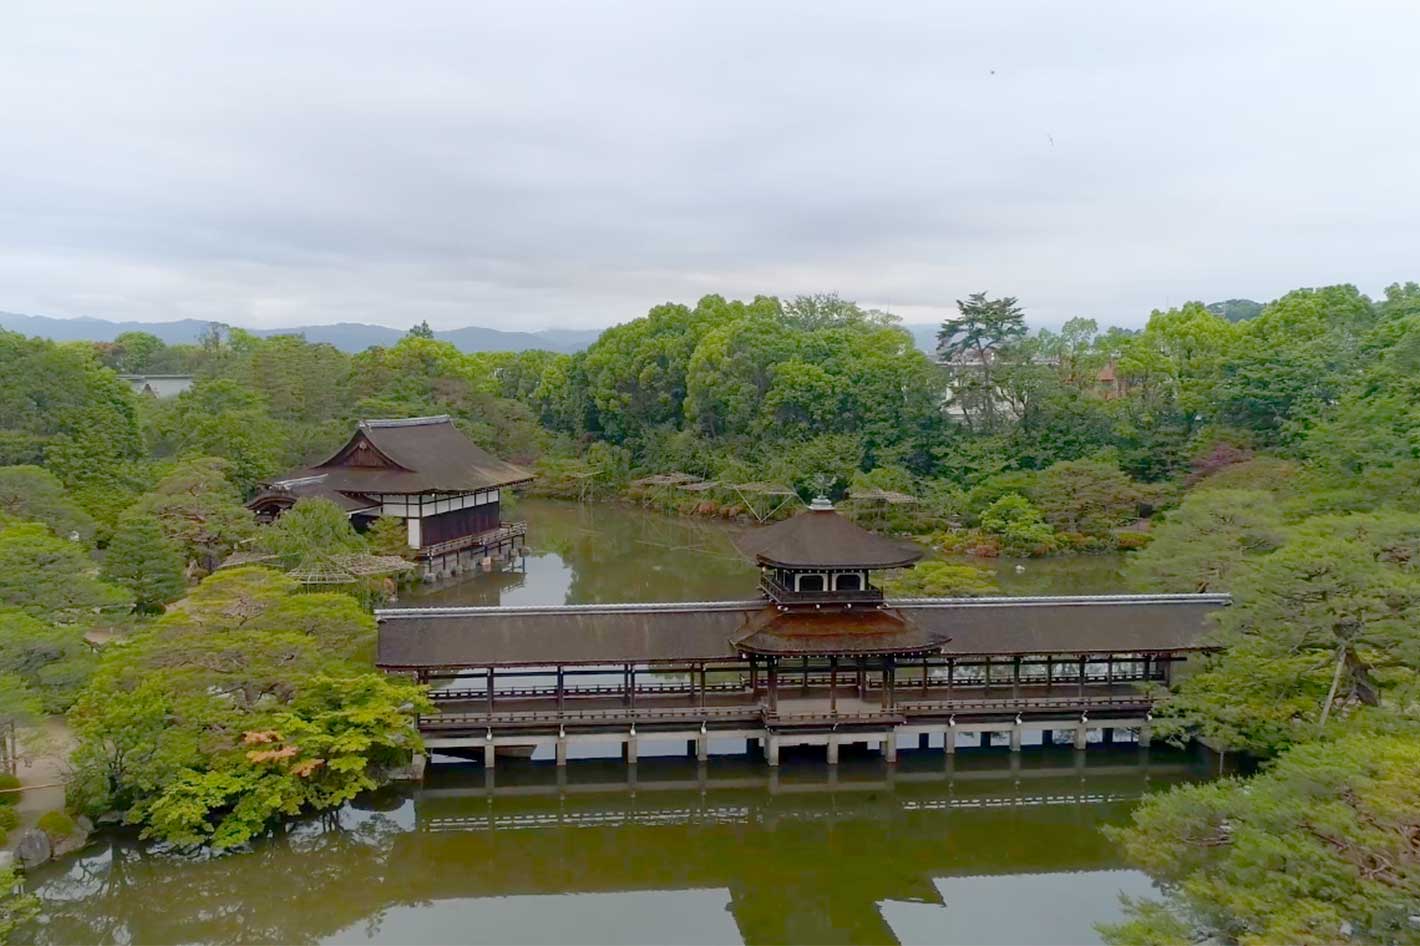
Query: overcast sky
{"x": 530, "y": 165}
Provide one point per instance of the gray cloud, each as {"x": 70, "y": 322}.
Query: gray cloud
{"x": 533, "y": 165}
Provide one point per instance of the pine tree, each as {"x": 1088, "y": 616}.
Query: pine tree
{"x": 143, "y": 560}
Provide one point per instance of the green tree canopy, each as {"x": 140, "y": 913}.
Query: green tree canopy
{"x": 31, "y": 492}
{"x": 1203, "y": 543}
{"x": 941, "y": 580}
{"x": 201, "y": 511}
{"x": 146, "y": 562}
{"x": 1318, "y": 849}
{"x": 1086, "y": 496}
{"x": 310, "y": 529}
{"x": 52, "y": 660}
{"x": 49, "y": 577}
{"x": 250, "y": 703}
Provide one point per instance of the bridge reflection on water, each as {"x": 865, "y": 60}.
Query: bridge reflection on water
{"x": 987, "y": 846}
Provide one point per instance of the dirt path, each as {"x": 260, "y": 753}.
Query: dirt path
{"x": 43, "y": 767}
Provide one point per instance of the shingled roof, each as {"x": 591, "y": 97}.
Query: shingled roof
{"x": 413, "y": 455}
{"x": 721, "y": 630}
{"x": 821, "y": 538}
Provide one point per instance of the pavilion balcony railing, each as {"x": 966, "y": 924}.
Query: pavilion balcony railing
{"x": 623, "y": 715}
{"x": 781, "y": 592}
{"x": 525, "y": 693}
{"x": 758, "y": 711}
{"x": 506, "y": 532}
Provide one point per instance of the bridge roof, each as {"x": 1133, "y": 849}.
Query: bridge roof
{"x": 682, "y": 632}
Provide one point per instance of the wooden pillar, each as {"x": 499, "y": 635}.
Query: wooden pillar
{"x": 1109, "y": 670}
{"x": 885, "y": 695}
{"x": 631, "y": 685}
{"x": 1147, "y": 661}
{"x": 774, "y": 686}
{"x": 1083, "y": 660}
{"x": 561, "y": 690}
{"x": 702, "y": 685}
{"x": 490, "y": 691}
{"x": 1049, "y": 672}
{"x": 753, "y": 678}
{"x": 833, "y": 697}
{"x": 951, "y": 674}
{"x": 805, "y": 690}
{"x": 862, "y": 676}
{"x": 925, "y": 675}
{"x": 1015, "y": 678}
{"x": 986, "y": 676}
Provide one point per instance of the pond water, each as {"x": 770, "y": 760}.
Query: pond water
{"x": 986, "y": 847}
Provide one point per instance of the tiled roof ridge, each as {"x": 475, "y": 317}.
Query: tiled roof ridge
{"x": 430, "y": 420}
{"x": 662, "y": 607}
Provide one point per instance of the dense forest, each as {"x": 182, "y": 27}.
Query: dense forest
{"x": 1271, "y": 451}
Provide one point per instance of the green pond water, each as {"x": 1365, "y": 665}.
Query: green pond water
{"x": 986, "y": 847}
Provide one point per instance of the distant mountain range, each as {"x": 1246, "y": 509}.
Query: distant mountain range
{"x": 347, "y": 336}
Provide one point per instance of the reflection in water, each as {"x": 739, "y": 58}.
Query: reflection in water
{"x": 602, "y": 554}
{"x": 974, "y": 849}
{"x": 988, "y": 847}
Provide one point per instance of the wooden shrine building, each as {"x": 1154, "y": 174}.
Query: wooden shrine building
{"x": 822, "y": 657}
{"x": 423, "y": 471}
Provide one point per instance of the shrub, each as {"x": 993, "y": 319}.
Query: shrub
{"x": 8, "y": 819}
{"x": 56, "y": 824}
{"x": 7, "y": 785}
{"x": 1132, "y": 541}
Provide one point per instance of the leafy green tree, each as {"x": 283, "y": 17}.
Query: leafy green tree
{"x": 222, "y": 418}
{"x": 389, "y": 535}
{"x": 1086, "y": 496}
{"x": 30, "y": 492}
{"x": 1321, "y": 626}
{"x": 1236, "y": 310}
{"x": 251, "y": 703}
{"x": 1022, "y": 529}
{"x": 17, "y": 907}
{"x": 139, "y": 353}
{"x": 1367, "y": 448}
{"x": 61, "y": 409}
{"x": 53, "y": 661}
{"x": 19, "y": 705}
{"x": 201, "y": 511}
{"x": 1293, "y": 360}
{"x": 143, "y": 560}
{"x": 50, "y": 577}
{"x": 1318, "y": 849}
{"x": 1202, "y": 545}
{"x": 975, "y": 339}
{"x": 941, "y": 580}
{"x": 825, "y": 310}
{"x": 310, "y": 529}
